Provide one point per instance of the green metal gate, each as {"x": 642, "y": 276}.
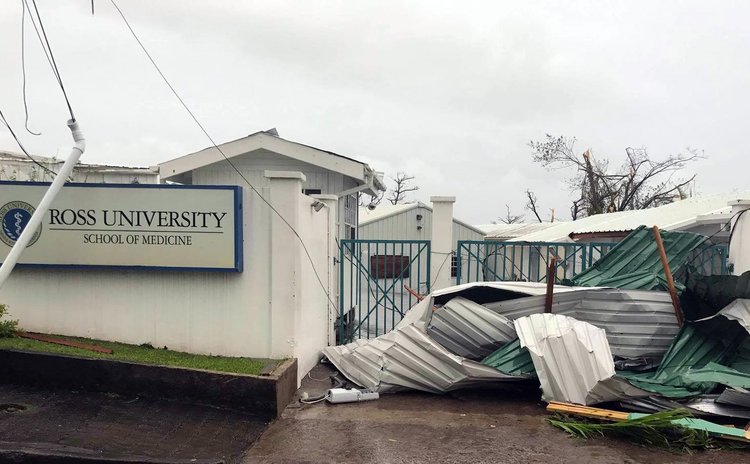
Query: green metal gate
{"x": 373, "y": 280}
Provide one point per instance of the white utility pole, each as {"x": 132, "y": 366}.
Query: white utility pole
{"x": 43, "y": 207}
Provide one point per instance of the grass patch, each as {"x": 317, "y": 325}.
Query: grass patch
{"x": 143, "y": 354}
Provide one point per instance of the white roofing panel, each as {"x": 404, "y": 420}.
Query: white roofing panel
{"x": 384, "y": 210}
{"x": 508, "y": 231}
{"x": 674, "y": 216}
{"x": 572, "y": 360}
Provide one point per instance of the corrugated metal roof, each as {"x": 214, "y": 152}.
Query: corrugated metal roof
{"x": 634, "y": 262}
{"x": 572, "y": 360}
{"x": 674, "y": 216}
{"x": 711, "y": 351}
{"x": 638, "y": 323}
{"x": 469, "y": 329}
{"x": 509, "y": 231}
{"x": 408, "y": 358}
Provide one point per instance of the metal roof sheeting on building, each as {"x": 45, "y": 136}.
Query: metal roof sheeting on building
{"x": 635, "y": 263}
{"x": 502, "y": 232}
{"x": 678, "y": 215}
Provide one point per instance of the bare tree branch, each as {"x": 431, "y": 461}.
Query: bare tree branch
{"x": 531, "y": 204}
{"x": 403, "y": 186}
{"x": 510, "y": 218}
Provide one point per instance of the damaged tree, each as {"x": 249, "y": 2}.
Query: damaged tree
{"x": 640, "y": 182}
{"x": 510, "y": 218}
{"x": 404, "y": 185}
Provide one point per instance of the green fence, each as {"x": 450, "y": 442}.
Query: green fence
{"x": 524, "y": 261}
{"x": 528, "y": 261}
{"x": 373, "y": 280}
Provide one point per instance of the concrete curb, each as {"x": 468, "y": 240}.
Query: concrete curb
{"x": 264, "y": 396}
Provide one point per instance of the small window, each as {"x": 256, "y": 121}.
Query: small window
{"x": 454, "y": 266}
{"x": 311, "y": 191}
{"x": 389, "y": 266}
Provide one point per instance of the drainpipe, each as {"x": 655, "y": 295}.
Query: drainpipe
{"x": 43, "y": 207}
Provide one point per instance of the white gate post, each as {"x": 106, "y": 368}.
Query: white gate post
{"x": 739, "y": 248}
{"x": 332, "y": 202}
{"x": 442, "y": 241}
{"x": 285, "y": 265}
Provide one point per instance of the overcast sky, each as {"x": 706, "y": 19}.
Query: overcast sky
{"x": 450, "y": 92}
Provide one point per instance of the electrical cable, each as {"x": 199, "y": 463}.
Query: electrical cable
{"x": 56, "y": 70}
{"x": 23, "y": 68}
{"x": 7, "y": 125}
{"x": 216, "y": 146}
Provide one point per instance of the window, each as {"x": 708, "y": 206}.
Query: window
{"x": 389, "y": 266}
{"x": 350, "y": 216}
{"x": 454, "y": 266}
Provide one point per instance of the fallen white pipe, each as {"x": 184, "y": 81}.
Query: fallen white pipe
{"x": 43, "y": 207}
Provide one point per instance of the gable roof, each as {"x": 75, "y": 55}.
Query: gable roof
{"x": 384, "y": 211}
{"x": 678, "y": 215}
{"x": 269, "y": 140}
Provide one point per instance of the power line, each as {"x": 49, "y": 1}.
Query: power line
{"x": 50, "y": 56}
{"x": 23, "y": 68}
{"x": 5, "y": 122}
{"x": 215, "y": 145}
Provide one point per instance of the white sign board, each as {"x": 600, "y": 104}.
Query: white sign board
{"x": 127, "y": 225}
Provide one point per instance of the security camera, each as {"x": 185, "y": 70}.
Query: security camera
{"x": 371, "y": 206}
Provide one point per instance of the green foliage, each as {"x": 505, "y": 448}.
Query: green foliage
{"x": 8, "y": 328}
{"x": 656, "y": 429}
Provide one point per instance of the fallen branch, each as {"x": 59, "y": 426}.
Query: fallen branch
{"x": 61, "y": 341}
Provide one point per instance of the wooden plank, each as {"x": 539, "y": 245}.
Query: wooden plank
{"x": 551, "y": 274}
{"x": 668, "y": 275}
{"x": 587, "y": 411}
{"x": 60, "y": 341}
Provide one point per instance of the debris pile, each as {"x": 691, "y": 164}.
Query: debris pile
{"x": 599, "y": 345}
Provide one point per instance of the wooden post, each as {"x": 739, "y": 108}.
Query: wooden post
{"x": 551, "y": 271}
{"x": 668, "y": 275}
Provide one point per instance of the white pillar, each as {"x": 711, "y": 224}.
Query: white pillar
{"x": 285, "y": 266}
{"x": 331, "y": 203}
{"x": 442, "y": 241}
{"x": 739, "y": 248}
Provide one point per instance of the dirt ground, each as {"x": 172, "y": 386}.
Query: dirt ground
{"x": 469, "y": 427}
{"x": 106, "y": 426}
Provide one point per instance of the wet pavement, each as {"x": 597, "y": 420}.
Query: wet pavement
{"x": 468, "y": 427}
{"x": 99, "y": 425}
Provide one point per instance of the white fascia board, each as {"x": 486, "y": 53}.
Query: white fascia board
{"x": 271, "y": 143}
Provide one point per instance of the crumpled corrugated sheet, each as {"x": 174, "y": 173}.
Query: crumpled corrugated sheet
{"x": 572, "y": 360}
{"x": 469, "y": 329}
{"x": 634, "y": 263}
{"x": 408, "y": 358}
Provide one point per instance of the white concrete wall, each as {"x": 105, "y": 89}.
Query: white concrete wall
{"x": 275, "y": 308}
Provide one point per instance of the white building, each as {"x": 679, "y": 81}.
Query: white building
{"x": 326, "y": 173}
{"x": 18, "y": 167}
{"x": 409, "y": 221}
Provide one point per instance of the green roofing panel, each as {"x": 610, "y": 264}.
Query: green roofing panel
{"x": 511, "y": 359}
{"x": 634, "y": 263}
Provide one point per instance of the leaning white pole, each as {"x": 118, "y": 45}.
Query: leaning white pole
{"x": 43, "y": 207}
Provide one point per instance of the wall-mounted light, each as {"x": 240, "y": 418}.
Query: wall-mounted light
{"x": 317, "y": 205}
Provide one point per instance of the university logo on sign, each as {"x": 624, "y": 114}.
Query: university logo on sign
{"x": 14, "y": 217}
